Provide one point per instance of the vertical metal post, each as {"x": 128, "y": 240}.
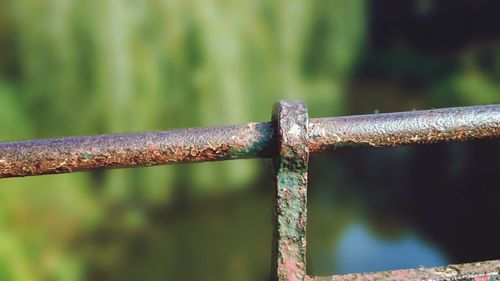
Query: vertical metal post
{"x": 291, "y": 123}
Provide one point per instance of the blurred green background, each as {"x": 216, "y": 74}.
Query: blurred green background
{"x": 74, "y": 67}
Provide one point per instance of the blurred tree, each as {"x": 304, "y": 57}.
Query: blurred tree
{"x": 85, "y": 67}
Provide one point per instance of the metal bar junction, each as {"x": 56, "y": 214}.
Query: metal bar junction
{"x": 289, "y": 138}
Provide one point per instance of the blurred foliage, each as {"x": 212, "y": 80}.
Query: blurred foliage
{"x": 87, "y": 67}
{"x": 475, "y": 82}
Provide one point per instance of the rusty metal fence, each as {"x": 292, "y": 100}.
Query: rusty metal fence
{"x": 289, "y": 139}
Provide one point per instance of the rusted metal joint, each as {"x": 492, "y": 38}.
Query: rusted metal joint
{"x": 295, "y": 137}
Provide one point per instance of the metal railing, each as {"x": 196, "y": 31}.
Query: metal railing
{"x": 289, "y": 139}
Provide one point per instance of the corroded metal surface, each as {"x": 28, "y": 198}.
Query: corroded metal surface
{"x": 414, "y": 127}
{"x": 479, "y": 271}
{"x": 291, "y": 121}
{"x": 28, "y": 158}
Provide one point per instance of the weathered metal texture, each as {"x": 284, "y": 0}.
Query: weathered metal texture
{"x": 29, "y": 158}
{"x": 291, "y": 122}
{"x": 414, "y": 127}
{"x": 479, "y": 271}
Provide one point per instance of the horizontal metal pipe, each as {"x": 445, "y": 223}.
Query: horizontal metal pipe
{"x": 413, "y": 127}
{"x": 27, "y": 158}
{"x": 486, "y": 270}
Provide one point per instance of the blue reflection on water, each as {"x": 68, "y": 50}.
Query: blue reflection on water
{"x": 360, "y": 251}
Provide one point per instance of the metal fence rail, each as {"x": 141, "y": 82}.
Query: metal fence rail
{"x": 289, "y": 139}
{"x": 251, "y": 140}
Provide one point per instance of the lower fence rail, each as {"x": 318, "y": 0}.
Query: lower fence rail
{"x": 478, "y": 271}
{"x": 289, "y": 138}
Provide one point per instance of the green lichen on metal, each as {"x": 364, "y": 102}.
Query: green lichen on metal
{"x": 86, "y": 155}
{"x": 293, "y": 206}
